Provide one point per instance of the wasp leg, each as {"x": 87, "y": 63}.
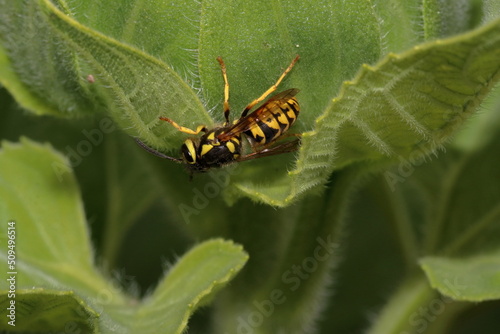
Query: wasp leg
{"x": 226, "y": 90}
{"x": 199, "y": 129}
{"x": 271, "y": 89}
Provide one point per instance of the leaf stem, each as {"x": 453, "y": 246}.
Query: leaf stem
{"x": 474, "y": 230}
{"x": 417, "y": 308}
{"x": 398, "y": 312}
{"x": 435, "y": 227}
{"x": 402, "y": 224}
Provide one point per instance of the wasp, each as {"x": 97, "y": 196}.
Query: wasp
{"x": 263, "y": 127}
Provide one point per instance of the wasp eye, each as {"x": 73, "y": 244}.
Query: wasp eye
{"x": 188, "y": 151}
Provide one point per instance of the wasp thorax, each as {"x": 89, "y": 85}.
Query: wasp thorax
{"x": 207, "y": 151}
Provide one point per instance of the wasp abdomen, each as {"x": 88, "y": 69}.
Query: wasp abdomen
{"x": 274, "y": 121}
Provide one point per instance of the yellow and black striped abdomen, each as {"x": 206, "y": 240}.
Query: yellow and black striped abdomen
{"x": 275, "y": 118}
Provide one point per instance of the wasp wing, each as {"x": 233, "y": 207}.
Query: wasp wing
{"x": 289, "y": 146}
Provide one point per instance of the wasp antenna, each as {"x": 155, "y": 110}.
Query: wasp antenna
{"x": 155, "y": 152}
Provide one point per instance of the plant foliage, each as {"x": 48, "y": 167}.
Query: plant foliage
{"x": 379, "y": 181}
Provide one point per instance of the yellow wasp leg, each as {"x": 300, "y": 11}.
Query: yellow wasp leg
{"x": 226, "y": 89}
{"x": 199, "y": 129}
{"x": 271, "y": 89}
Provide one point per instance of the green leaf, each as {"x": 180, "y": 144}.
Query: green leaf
{"x": 52, "y": 250}
{"x": 465, "y": 234}
{"x": 463, "y": 218}
{"x": 53, "y": 254}
{"x": 165, "y": 29}
{"x": 49, "y": 220}
{"x": 274, "y": 33}
{"x": 444, "y": 18}
{"x": 332, "y": 46}
{"x": 135, "y": 193}
{"x": 297, "y": 249}
{"x": 446, "y": 214}
{"x": 190, "y": 284}
{"x": 416, "y": 98}
{"x": 475, "y": 278}
{"x": 20, "y": 90}
{"x": 411, "y": 101}
{"x": 129, "y": 84}
{"x": 46, "y": 310}
{"x": 126, "y": 177}
{"x": 399, "y": 311}
{"x": 480, "y": 130}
